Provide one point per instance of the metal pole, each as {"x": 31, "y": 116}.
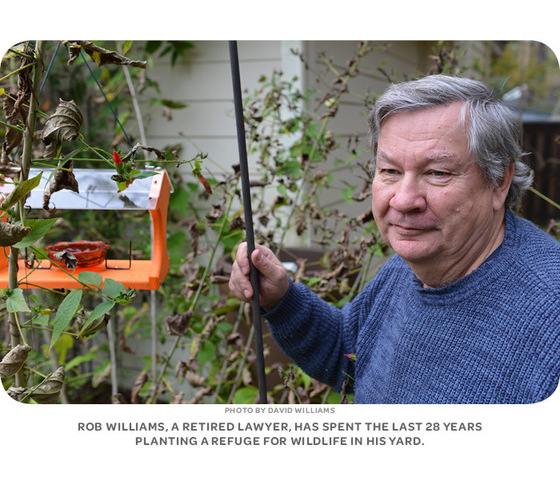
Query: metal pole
{"x": 246, "y": 195}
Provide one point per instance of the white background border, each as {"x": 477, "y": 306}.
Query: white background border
{"x": 517, "y": 444}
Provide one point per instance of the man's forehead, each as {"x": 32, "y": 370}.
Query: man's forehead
{"x": 433, "y": 124}
{"x": 455, "y": 113}
{"x": 432, "y": 158}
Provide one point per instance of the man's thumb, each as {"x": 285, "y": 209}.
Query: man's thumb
{"x": 262, "y": 261}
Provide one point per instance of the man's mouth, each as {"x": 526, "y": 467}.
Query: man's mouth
{"x": 410, "y": 230}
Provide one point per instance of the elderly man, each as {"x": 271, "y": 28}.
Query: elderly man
{"x": 468, "y": 310}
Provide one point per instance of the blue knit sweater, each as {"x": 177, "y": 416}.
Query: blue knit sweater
{"x": 490, "y": 337}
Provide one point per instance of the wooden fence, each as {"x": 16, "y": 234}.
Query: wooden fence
{"x": 542, "y": 141}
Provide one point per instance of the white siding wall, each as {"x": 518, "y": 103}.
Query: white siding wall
{"x": 203, "y": 82}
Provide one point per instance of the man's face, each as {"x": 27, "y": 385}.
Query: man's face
{"x": 429, "y": 198}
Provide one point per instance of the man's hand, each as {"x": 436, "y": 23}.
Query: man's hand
{"x": 273, "y": 279}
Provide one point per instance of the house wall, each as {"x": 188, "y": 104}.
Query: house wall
{"x": 202, "y": 80}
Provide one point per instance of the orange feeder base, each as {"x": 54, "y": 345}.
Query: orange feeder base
{"x": 142, "y": 275}
{"x": 136, "y": 274}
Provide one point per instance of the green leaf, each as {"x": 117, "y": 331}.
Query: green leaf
{"x": 98, "y": 312}
{"x": 42, "y": 319}
{"x": 79, "y": 359}
{"x": 207, "y": 352}
{"x": 65, "y": 314}
{"x": 179, "y": 200}
{"x": 168, "y": 103}
{"x": 290, "y": 167}
{"x": 313, "y": 281}
{"x": 16, "y": 301}
{"x": 40, "y": 253}
{"x": 245, "y": 395}
{"x": 62, "y": 346}
{"x": 127, "y": 46}
{"x": 347, "y": 194}
{"x": 90, "y": 278}
{"x": 145, "y": 175}
{"x": 112, "y": 288}
{"x": 175, "y": 245}
{"x": 306, "y": 380}
{"x": 20, "y": 191}
{"x": 39, "y": 227}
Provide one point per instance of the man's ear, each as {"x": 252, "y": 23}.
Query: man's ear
{"x": 502, "y": 189}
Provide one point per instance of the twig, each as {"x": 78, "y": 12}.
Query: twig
{"x": 112, "y": 355}
{"x": 242, "y": 364}
{"x": 544, "y": 197}
{"x": 17, "y": 70}
{"x": 25, "y": 164}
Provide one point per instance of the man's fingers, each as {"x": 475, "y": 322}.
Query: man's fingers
{"x": 273, "y": 280}
{"x": 242, "y": 258}
{"x": 265, "y": 261}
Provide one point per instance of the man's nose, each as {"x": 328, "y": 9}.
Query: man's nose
{"x": 408, "y": 195}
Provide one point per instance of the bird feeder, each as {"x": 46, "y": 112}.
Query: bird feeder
{"x": 99, "y": 192}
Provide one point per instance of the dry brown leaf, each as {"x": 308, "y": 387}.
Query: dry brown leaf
{"x": 13, "y": 361}
{"x": 14, "y": 117}
{"x": 64, "y": 125}
{"x": 318, "y": 388}
{"x": 195, "y": 379}
{"x": 67, "y": 258}
{"x": 138, "y": 384}
{"x": 63, "y": 179}
{"x": 119, "y": 399}
{"x": 218, "y": 276}
{"x": 48, "y": 392}
{"x": 16, "y": 393}
{"x": 16, "y": 108}
{"x": 367, "y": 216}
{"x": 200, "y": 394}
{"x": 215, "y": 213}
{"x": 178, "y": 324}
{"x": 12, "y": 233}
{"x": 102, "y": 377}
{"x": 100, "y": 55}
{"x": 247, "y": 378}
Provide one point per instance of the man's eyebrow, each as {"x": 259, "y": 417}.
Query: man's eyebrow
{"x": 432, "y": 157}
{"x": 384, "y": 157}
{"x": 441, "y": 156}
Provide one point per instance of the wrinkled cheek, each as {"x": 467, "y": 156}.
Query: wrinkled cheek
{"x": 379, "y": 207}
{"x": 380, "y": 198}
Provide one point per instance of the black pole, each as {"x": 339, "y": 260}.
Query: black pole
{"x": 246, "y": 195}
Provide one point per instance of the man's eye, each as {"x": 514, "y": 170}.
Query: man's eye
{"x": 439, "y": 173}
{"x": 389, "y": 171}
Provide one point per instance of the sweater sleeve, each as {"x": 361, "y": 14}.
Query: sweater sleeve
{"x": 316, "y": 335}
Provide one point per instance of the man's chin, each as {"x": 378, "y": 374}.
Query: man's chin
{"x": 413, "y": 251}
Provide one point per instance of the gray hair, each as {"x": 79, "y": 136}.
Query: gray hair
{"x": 494, "y": 131}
